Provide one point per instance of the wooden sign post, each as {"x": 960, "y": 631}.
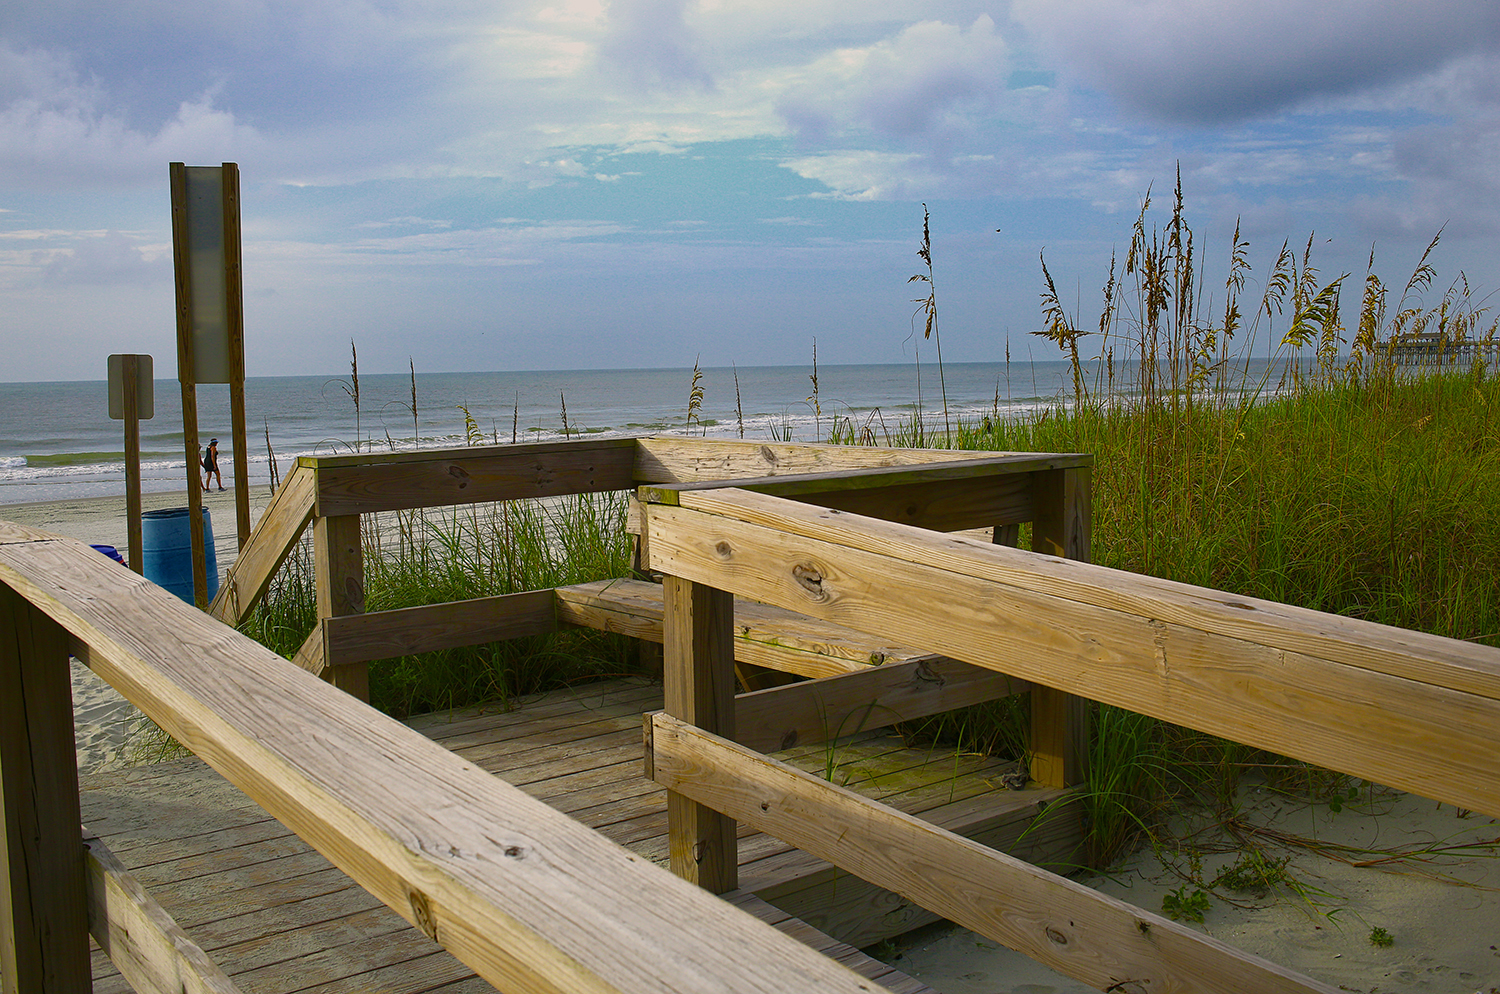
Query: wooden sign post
{"x": 132, "y": 399}
{"x": 210, "y": 328}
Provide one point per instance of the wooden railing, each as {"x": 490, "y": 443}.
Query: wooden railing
{"x": 526, "y": 897}
{"x": 942, "y": 490}
{"x": 1395, "y": 707}
{"x": 532, "y": 900}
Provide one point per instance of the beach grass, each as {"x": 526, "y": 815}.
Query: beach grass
{"x": 417, "y": 558}
{"x": 1349, "y": 484}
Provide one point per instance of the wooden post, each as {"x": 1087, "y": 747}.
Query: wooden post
{"x": 339, "y": 574}
{"x": 1063, "y": 501}
{"x": 235, "y": 325}
{"x": 699, "y": 687}
{"x": 44, "y": 928}
{"x": 188, "y": 378}
{"x": 130, "y": 395}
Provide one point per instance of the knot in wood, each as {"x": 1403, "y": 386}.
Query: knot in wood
{"x": 422, "y": 916}
{"x": 1056, "y": 937}
{"x": 460, "y": 474}
{"x": 768, "y": 455}
{"x": 810, "y": 578}
{"x": 515, "y": 852}
{"x": 723, "y": 550}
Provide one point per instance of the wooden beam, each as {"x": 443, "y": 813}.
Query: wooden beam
{"x": 359, "y": 638}
{"x": 948, "y": 496}
{"x": 941, "y": 505}
{"x": 763, "y": 635}
{"x": 234, "y": 317}
{"x": 186, "y": 377}
{"x": 1063, "y": 526}
{"x": 1245, "y": 669}
{"x": 818, "y": 710}
{"x": 1073, "y": 929}
{"x": 44, "y": 941}
{"x": 525, "y": 896}
{"x": 339, "y": 576}
{"x": 143, "y": 942}
{"x": 130, "y": 371}
{"x": 441, "y": 477}
{"x": 670, "y": 459}
{"x": 698, "y": 687}
{"x": 1382, "y": 648}
{"x": 275, "y": 536}
{"x": 312, "y": 655}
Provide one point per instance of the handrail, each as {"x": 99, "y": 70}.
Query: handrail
{"x": 525, "y": 896}
{"x": 1414, "y": 711}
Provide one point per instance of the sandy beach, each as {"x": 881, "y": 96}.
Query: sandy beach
{"x": 1440, "y": 905}
{"x": 101, "y": 520}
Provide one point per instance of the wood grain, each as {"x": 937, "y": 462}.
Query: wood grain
{"x": 339, "y": 588}
{"x": 410, "y": 630}
{"x": 763, "y": 635}
{"x": 698, "y": 687}
{"x": 528, "y": 898}
{"x": 434, "y": 478}
{"x": 140, "y": 938}
{"x": 1069, "y": 927}
{"x": 44, "y": 943}
{"x": 817, "y": 710}
{"x": 673, "y": 459}
{"x": 1395, "y": 651}
{"x": 1188, "y": 656}
{"x": 1063, "y": 526}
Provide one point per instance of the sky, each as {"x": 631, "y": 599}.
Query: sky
{"x": 554, "y": 184}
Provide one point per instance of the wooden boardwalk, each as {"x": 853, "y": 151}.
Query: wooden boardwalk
{"x": 277, "y": 917}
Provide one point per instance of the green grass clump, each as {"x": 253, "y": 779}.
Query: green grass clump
{"x": 1337, "y": 481}
{"x": 420, "y": 558}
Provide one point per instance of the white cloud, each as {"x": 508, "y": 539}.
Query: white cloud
{"x": 111, "y": 258}
{"x": 56, "y": 129}
{"x": 864, "y": 175}
{"x": 930, "y": 79}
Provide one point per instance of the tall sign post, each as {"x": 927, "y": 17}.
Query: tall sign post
{"x": 132, "y": 399}
{"x": 210, "y": 328}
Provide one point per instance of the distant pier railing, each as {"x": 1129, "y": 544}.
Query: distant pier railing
{"x": 1440, "y": 350}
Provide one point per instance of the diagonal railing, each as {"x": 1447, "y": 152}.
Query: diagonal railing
{"x": 526, "y": 897}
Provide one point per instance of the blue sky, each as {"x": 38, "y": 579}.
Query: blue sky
{"x": 591, "y": 183}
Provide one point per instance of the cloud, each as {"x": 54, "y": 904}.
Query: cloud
{"x": 57, "y": 129}
{"x": 865, "y": 175}
{"x": 1198, "y": 63}
{"x": 930, "y": 79}
{"x": 110, "y": 258}
{"x": 650, "y": 42}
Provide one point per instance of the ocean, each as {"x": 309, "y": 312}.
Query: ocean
{"x": 57, "y": 441}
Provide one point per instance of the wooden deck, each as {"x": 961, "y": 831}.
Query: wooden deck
{"x": 278, "y": 917}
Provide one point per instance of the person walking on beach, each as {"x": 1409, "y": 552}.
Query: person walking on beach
{"x": 211, "y": 464}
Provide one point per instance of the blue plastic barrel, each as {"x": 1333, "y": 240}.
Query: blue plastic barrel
{"x": 167, "y": 551}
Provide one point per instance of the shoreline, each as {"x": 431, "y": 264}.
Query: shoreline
{"x": 101, "y": 520}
